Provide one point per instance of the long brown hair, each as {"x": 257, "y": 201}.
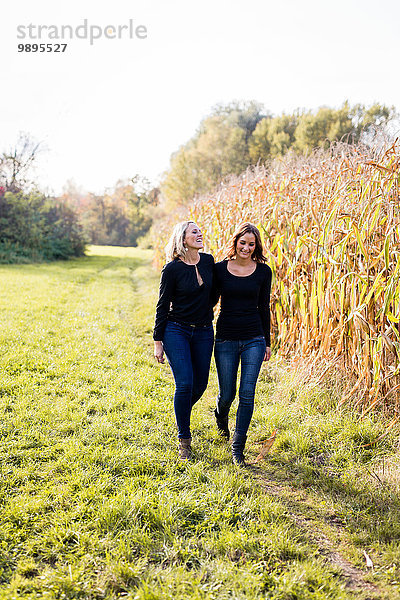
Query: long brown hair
{"x": 241, "y": 230}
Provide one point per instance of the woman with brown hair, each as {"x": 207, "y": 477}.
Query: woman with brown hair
{"x": 243, "y": 281}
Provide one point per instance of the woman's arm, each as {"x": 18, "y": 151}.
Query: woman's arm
{"x": 264, "y": 310}
{"x": 215, "y": 289}
{"x": 164, "y": 302}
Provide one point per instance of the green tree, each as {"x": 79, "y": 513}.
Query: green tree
{"x": 272, "y": 137}
{"x": 321, "y": 128}
{"x": 351, "y": 124}
{"x": 219, "y": 149}
{"x": 245, "y": 115}
{"x": 184, "y": 178}
{"x": 33, "y": 227}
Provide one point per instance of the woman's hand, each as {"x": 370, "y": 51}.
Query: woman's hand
{"x": 267, "y": 354}
{"x": 159, "y": 352}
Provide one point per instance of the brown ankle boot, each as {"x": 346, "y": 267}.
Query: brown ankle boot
{"x": 185, "y": 449}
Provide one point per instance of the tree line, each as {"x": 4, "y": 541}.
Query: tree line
{"x": 238, "y": 135}
{"x": 32, "y": 226}
{"x": 121, "y": 216}
{"x": 35, "y": 226}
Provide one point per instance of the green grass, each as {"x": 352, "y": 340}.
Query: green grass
{"x": 95, "y": 504}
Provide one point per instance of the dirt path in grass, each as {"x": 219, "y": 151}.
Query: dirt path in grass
{"x": 325, "y": 531}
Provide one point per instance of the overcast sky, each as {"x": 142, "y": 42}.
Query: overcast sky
{"x": 121, "y": 106}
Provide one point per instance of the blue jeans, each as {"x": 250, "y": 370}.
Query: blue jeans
{"x": 188, "y": 351}
{"x": 228, "y": 354}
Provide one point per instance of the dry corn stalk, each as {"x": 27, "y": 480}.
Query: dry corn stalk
{"x": 331, "y": 228}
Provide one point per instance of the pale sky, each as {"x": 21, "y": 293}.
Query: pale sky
{"x": 121, "y": 106}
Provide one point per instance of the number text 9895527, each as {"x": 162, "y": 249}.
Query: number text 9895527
{"x": 42, "y": 47}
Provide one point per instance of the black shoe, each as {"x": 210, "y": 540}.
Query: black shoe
{"x": 238, "y": 444}
{"x": 222, "y": 424}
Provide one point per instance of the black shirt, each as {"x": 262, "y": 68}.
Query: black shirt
{"x": 182, "y": 299}
{"x": 244, "y": 303}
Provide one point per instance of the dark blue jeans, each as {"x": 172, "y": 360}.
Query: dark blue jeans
{"x": 188, "y": 351}
{"x": 228, "y": 354}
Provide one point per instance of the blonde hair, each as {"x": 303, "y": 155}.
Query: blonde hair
{"x": 175, "y": 247}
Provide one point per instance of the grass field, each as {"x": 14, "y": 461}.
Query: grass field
{"x": 95, "y": 504}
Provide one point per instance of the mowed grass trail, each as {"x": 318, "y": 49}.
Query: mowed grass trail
{"x": 95, "y": 504}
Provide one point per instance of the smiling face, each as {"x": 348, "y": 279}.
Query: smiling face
{"x": 193, "y": 237}
{"x": 246, "y": 245}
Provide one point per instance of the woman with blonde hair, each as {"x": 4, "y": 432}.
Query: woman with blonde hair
{"x": 243, "y": 281}
{"x": 183, "y": 325}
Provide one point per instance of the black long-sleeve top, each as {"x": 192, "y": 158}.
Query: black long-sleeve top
{"x": 244, "y": 310}
{"x": 181, "y": 298}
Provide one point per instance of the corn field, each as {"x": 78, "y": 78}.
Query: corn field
{"x": 331, "y": 230}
